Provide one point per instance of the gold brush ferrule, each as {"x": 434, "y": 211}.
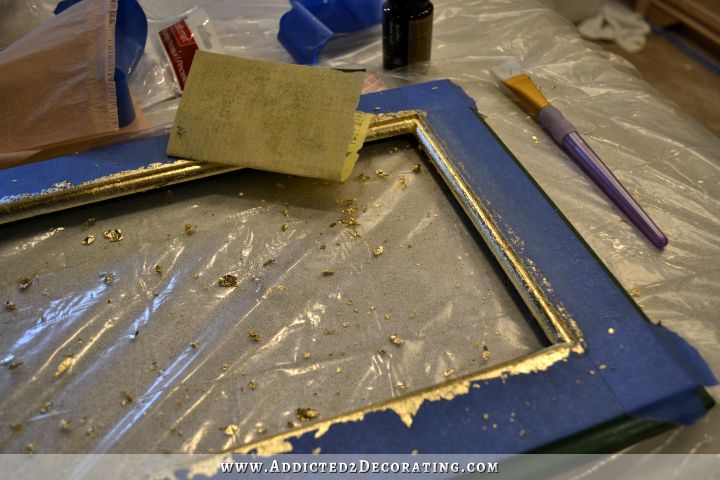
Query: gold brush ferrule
{"x": 527, "y": 92}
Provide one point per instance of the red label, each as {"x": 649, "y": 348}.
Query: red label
{"x": 180, "y": 47}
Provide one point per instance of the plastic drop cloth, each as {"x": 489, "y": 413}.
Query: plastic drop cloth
{"x": 153, "y": 378}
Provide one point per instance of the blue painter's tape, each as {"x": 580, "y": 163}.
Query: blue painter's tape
{"x": 310, "y": 24}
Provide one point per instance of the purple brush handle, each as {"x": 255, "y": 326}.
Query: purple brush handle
{"x": 565, "y": 134}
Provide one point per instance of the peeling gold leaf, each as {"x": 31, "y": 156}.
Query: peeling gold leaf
{"x": 64, "y": 366}
{"x": 306, "y": 414}
{"x": 114, "y": 235}
{"x": 228, "y": 281}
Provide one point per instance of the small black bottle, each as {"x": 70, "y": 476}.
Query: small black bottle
{"x": 407, "y": 32}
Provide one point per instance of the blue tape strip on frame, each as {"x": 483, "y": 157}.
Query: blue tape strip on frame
{"x": 650, "y": 372}
{"x": 310, "y": 24}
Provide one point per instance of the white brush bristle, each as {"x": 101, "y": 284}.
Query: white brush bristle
{"x": 507, "y": 69}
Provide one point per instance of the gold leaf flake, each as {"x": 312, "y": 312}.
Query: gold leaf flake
{"x": 611, "y": 330}
{"x": 45, "y": 407}
{"x": 231, "y": 430}
{"x": 416, "y": 168}
{"x": 486, "y": 353}
{"x": 346, "y": 324}
{"x": 285, "y": 212}
{"x": 114, "y": 235}
{"x": 635, "y": 292}
{"x": 306, "y": 355}
{"x": 17, "y": 427}
{"x": 327, "y": 272}
{"x": 377, "y": 251}
{"x": 241, "y": 194}
{"x": 306, "y": 414}
{"x": 89, "y": 240}
{"x": 253, "y": 384}
{"x": 254, "y": 335}
{"x": 281, "y": 288}
{"x": 64, "y": 366}
{"x": 381, "y": 173}
{"x": 448, "y": 372}
{"x": 88, "y": 223}
{"x": 316, "y": 451}
{"x": 363, "y": 177}
{"x": 338, "y": 369}
{"x": 30, "y": 447}
{"x": 228, "y": 281}
{"x": 355, "y": 234}
{"x": 10, "y": 305}
{"x": 65, "y": 425}
{"x": 401, "y": 385}
{"x": 402, "y": 183}
{"x": 190, "y": 228}
{"x": 268, "y": 262}
{"x": 329, "y": 331}
{"x": 108, "y": 279}
{"x": 24, "y": 282}
{"x": 396, "y": 340}
{"x": 260, "y": 428}
{"x": 126, "y": 399}
{"x": 225, "y": 367}
{"x": 284, "y": 227}
{"x": 158, "y": 269}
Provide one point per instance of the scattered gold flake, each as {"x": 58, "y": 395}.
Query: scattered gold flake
{"x": 281, "y": 288}
{"x": 17, "y": 427}
{"x": 346, "y": 324}
{"x": 416, "y": 168}
{"x": 260, "y": 428}
{"x": 108, "y": 279}
{"x": 253, "y": 384}
{"x": 602, "y": 366}
{"x": 13, "y": 365}
{"x": 329, "y": 331}
{"x": 388, "y": 316}
{"x": 45, "y": 407}
{"x": 402, "y": 183}
{"x": 284, "y": 227}
{"x": 381, "y": 351}
{"x": 486, "y": 353}
{"x": 381, "y": 173}
{"x": 89, "y": 240}
{"x": 349, "y": 210}
{"x": 327, "y": 272}
{"x": 228, "y": 281}
{"x": 225, "y": 367}
{"x": 126, "y": 399}
{"x": 591, "y": 371}
{"x": 190, "y": 228}
{"x": 448, "y": 372}
{"x": 486, "y": 416}
{"x": 306, "y": 355}
{"x": 611, "y": 330}
{"x": 306, "y": 414}
{"x": 401, "y": 385}
{"x": 241, "y": 194}
{"x": 635, "y": 292}
{"x": 396, "y": 340}
{"x": 158, "y": 269}
{"x": 522, "y": 433}
{"x": 254, "y": 335}
{"x": 285, "y": 212}
{"x": 363, "y": 177}
{"x": 338, "y": 369}
{"x": 355, "y": 234}
{"x": 10, "y": 305}
{"x": 24, "y": 282}
{"x": 535, "y": 139}
{"x": 316, "y": 451}
{"x": 231, "y": 430}
{"x": 196, "y": 276}
{"x": 64, "y": 366}
{"x": 88, "y": 223}
{"x": 30, "y": 447}
{"x": 268, "y": 262}
{"x": 114, "y": 235}
{"x": 322, "y": 247}
{"x": 65, "y": 425}
{"x": 377, "y": 251}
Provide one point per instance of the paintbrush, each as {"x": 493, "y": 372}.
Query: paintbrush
{"x": 566, "y": 135}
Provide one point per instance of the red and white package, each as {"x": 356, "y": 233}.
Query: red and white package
{"x": 163, "y": 70}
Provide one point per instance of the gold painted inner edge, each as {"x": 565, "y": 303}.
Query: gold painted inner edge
{"x": 560, "y": 330}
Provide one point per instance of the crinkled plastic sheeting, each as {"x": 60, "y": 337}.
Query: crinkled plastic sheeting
{"x": 163, "y": 340}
